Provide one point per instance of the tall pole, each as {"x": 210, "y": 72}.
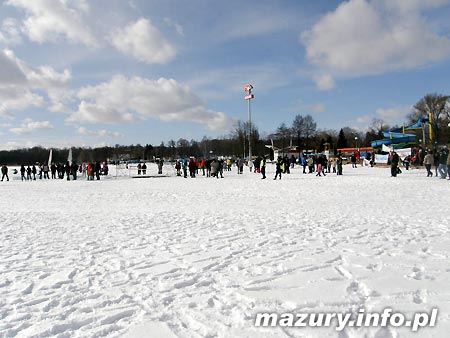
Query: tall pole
{"x": 248, "y": 88}
{"x": 249, "y": 135}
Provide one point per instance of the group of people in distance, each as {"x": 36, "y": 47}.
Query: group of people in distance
{"x": 89, "y": 171}
{"x": 208, "y": 167}
{"x": 142, "y": 167}
{"x": 318, "y": 164}
{"x": 216, "y": 167}
{"x": 440, "y": 160}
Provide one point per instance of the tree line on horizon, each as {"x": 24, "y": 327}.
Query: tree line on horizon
{"x": 302, "y": 134}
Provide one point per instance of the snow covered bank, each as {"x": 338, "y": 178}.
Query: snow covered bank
{"x": 175, "y": 257}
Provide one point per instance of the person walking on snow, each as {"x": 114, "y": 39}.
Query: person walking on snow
{"x": 428, "y": 161}
{"x": 279, "y": 167}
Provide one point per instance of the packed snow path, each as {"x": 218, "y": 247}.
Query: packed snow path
{"x": 191, "y": 258}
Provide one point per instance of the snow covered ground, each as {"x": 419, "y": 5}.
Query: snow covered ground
{"x": 173, "y": 257}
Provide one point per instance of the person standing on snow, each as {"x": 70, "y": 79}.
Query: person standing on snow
{"x": 22, "y": 172}
{"x": 160, "y": 166}
{"x": 339, "y": 165}
{"x": 192, "y": 168}
{"x": 286, "y": 165}
{"x": 74, "y": 170}
{"x": 443, "y": 163}
{"x": 262, "y": 166}
{"x": 185, "y": 167}
{"x": 45, "y": 169}
{"x": 220, "y": 168}
{"x": 178, "y": 167}
{"x": 28, "y": 173}
{"x": 394, "y": 164}
{"x": 5, "y": 172}
{"x": 67, "y": 170}
{"x": 33, "y": 171}
{"x": 53, "y": 170}
{"x": 97, "y": 169}
{"x": 353, "y": 160}
{"x": 304, "y": 163}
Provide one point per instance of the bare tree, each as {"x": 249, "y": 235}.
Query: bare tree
{"x": 240, "y": 134}
{"x": 379, "y": 126}
{"x": 304, "y": 127}
{"x": 435, "y": 105}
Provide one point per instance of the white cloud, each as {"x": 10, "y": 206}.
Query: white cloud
{"x": 20, "y": 85}
{"x": 318, "y": 108}
{"x": 11, "y": 73}
{"x": 29, "y": 126}
{"x": 324, "y": 82}
{"x": 98, "y": 133}
{"x": 124, "y": 100}
{"x": 405, "y": 6}
{"x": 144, "y": 42}
{"x": 9, "y": 32}
{"x": 16, "y": 98}
{"x": 48, "y": 20}
{"x": 363, "y": 37}
{"x": 12, "y": 145}
{"x": 364, "y": 119}
{"x": 393, "y": 115}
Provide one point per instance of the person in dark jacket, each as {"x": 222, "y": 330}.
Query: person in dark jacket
{"x": 53, "y": 170}
{"x": 28, "y": 173}
{"x": 160, "y": 166}
{"x": 339, "y": 165}
{"x": 22, "y": 172}
{"x": 5, "y": 172}
{"x": 436, "y": 162}
{"x": 219, "y": 168}
{"x": 262, "y": 166}
{"x": 394, "y": 164}
{"x": 178, "y": 168}
{"x": 443, "y": 163}
{"x": 353, "y": 160}
{"x": 279, "y": 167}
{"x": 286, "y": 165}
{"x": 67, "y": 170}
{"x": 74, "y": 170}
{"x": 97, "y": 169}
{"x": 33, "y": 171}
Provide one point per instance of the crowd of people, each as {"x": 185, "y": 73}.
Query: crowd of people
{"x": 317, "y": 164}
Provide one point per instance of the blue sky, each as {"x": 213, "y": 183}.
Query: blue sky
{"x": 92, "y": 73}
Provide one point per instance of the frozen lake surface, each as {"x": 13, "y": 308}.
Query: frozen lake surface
{"x": 198, "y": 258}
